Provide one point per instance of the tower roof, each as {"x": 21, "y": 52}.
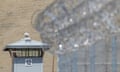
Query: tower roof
{"x": 26, "y": 42}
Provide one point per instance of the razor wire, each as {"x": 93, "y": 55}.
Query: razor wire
{"x": 85, "y": 23}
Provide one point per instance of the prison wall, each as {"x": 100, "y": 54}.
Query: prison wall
{"x": 16, "y": 18}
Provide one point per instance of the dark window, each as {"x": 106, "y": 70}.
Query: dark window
{"x": 27, "y": 53}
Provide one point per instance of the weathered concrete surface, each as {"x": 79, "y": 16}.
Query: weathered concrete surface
{"x": 15, "y": 19}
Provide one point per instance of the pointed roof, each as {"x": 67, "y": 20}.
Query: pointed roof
{"x": 26, "y": 43}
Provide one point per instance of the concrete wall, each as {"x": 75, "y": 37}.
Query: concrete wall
{"x": 16, "y": 17}
{"x": 20, "y": 66}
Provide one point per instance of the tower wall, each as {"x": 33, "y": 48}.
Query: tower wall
{"x": 20, "y": 65}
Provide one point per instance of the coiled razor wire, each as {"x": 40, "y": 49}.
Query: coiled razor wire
{"x": 82, "y": 33}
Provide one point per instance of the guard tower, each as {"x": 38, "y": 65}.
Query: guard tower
{"x": 27, "y": 55}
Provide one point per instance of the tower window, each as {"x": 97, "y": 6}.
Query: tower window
{"x": 28, "y": 53}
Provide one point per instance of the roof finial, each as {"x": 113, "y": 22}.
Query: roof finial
{"x": 27, "y": 36}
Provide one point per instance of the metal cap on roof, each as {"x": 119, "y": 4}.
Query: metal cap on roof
{"x": 26, "y": 42}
